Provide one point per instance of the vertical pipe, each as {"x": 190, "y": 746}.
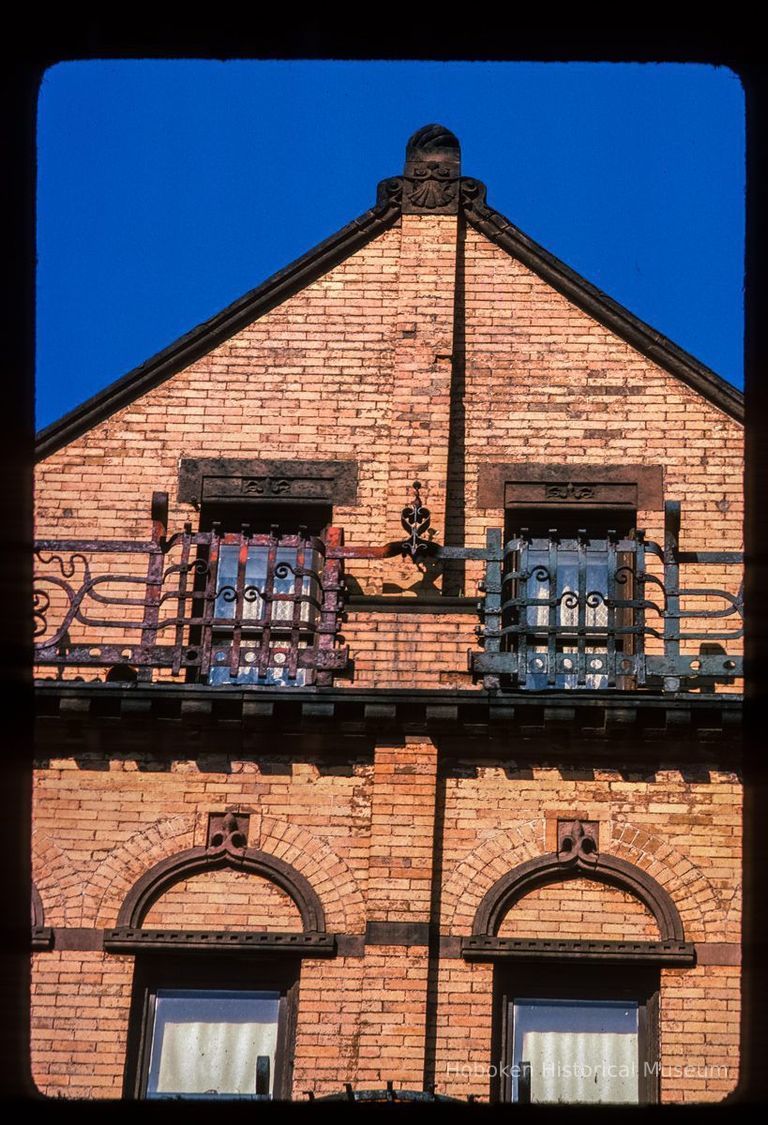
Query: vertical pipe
{"x": 494, "y": 560}
{"x": 672, "y": 588}
{"x": 154, "y": 583}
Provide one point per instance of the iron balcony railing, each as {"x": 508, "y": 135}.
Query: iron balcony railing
{"x": 575, "y": 612}
{"x": 607, "y": 612}
{"x": 262, "y": 609}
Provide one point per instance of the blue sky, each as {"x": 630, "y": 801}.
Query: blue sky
{"x": 166, "y": 189}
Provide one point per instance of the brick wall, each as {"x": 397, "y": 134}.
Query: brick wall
{"x": 358, "y": 367}
{"x": 224, "y": 900}
{"x": 80, "y": 1023}
{"x": 364, "y": 840}
{"x": 580, "y": 909}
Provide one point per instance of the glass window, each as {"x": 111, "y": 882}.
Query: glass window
{"x": 565, "y": 591}
{"x": 576, "y": 1033}
{"x": 211, "y": 1025}
{"x": 212, "y": 1042}
{"x": 564, "y": 619}
{"x": 575, "y": 1051}
{"x": 259, "y": 612}
{"x": 280, "y": 610}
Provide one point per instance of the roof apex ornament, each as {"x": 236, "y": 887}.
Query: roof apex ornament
{"x": 432, "y": 172}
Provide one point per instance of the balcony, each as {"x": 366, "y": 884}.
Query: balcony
{"x": 265, "y": 610}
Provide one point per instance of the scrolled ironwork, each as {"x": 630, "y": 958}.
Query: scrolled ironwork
{"x": 416, "y": 519}
{"x": 67, "y": 569}
{"x": 555, "y": 611}
{"x": 292, "y": 636}
{"x": 536, "y": 635}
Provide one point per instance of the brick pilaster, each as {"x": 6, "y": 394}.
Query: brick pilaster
{"x": 423, "y": 348}
{"x": 394, "y": 1003}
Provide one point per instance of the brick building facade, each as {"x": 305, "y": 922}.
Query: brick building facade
{"x": 331, "y": 788}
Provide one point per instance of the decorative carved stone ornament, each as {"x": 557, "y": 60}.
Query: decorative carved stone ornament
{"x": 432, "y": 171}
{"x": 216, "y": 479}
{"x": 228, "y": 830}
{"x": 528, "y": 484}
{"x": 577, "y": 839}
{"x": 569, "y": 491}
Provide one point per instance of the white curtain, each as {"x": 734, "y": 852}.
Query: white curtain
{"x": 567, "y": 615}
{"x": 219, "y": 1058}
{"x": 210, "y": 1055}
{"x": 581, "y": 1066}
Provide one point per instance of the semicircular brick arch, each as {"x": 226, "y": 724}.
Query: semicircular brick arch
{"x": 59, "y": 884}
{"x": 125, "y": 864}
{"x": 478, "y": 871}
{"x": 328, "y": 875}
{"x": 516, "y": 885}
{"x": 327, "y": 872}
{"x": 184, "y": 866}
{"x": 703, "y": 909}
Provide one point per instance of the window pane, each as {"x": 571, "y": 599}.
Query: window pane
{"x": 565, "y": 589}
{"x": 226, "y": 582}
{"x": 280, "y": 618}
{"x": 208, "y": 1042}
{"x": 577, "y": 1051}
{"x": 284, "y": 580}
{"x": 539, "y": 586}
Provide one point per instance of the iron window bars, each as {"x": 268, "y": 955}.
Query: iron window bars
{"x": 575, "y": 613}
{"x": 266, "y": 609}
{"x": 261, "y": 609}
{"x": 557, "y": 590}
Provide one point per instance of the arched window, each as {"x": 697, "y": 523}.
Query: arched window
{"x": 214, "y": 1010}
{"x": 576, "y": 1017}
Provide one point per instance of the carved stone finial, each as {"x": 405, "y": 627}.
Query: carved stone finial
{"x": 432, "y": 171}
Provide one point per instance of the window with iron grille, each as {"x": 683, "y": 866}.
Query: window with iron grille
{"x": 268, "y": 591}
{"x": 567, "y": 581}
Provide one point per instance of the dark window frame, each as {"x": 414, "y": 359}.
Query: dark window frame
{"x": 596, "y": 521}
{"x": 531, "y": 980}
{"x": 230, "y": 516}
{"x": 153, "y": 971}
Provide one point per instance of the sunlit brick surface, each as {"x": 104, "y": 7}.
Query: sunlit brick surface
{"x": 382, "y": 362}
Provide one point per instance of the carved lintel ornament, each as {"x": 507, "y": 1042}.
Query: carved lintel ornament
{"x": 217, "y": 479}
{"x": 569, "y": 491}
{"x": 228, "y": 830}
{"x": 266, "y": 486}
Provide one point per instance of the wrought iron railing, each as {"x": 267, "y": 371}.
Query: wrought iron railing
{"x": 265, "y": 609}
{"x": 602, "y": 613}
{"x": 262, "y": 609}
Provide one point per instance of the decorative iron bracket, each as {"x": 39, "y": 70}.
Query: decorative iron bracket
{"x": 416, "y": 520}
